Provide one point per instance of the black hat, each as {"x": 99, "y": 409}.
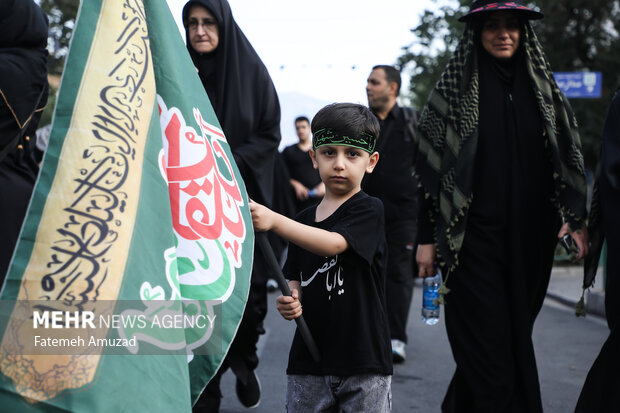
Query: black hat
{"x": 479, "y": 7}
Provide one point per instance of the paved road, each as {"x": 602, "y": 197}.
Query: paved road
{"x": 565, "y": 348}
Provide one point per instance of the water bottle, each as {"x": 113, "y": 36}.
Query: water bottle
{"x": 430, "y": 306}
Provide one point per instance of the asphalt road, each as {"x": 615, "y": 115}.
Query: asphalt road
{"x": 565, "y": 346}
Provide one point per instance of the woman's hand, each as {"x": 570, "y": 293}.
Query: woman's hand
{"x": 425, "y": 258}
{"x": 580, "y": 237}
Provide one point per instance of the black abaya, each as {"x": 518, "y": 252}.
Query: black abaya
{"x": 23, "y": 75}
{"x": 244, "y": 99}
{"x": 505, "y": 261}
{"x": 601, "y": 391}
{"x": 247, "y": 107}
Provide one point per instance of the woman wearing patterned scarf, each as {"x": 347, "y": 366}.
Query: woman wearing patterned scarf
{"x": 502, "y": 171}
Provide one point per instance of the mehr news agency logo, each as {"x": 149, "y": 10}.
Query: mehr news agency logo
{"x": 74, "y": 332}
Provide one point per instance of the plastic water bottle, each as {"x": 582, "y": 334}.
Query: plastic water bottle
{"x": 430, "y": 306}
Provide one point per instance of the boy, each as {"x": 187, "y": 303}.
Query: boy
{"x": 336, "y": 266}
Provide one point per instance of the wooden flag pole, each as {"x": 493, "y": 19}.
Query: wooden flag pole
{"x": 272, "y": 263}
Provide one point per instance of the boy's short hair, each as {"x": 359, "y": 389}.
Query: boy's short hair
{"x": 348, "y": 124}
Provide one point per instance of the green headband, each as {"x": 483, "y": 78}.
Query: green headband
{"x": 326, "y": 136}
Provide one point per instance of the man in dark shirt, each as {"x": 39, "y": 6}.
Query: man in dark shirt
{"x": 394, "y": 183}
{"x": 304, "y": 178}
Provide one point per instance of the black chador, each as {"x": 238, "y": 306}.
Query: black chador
{"x": 501, "y": 280}
{"x": 244, "y": 100}
{"x": 247, "y": 107}
{"x": 23, "y": 92}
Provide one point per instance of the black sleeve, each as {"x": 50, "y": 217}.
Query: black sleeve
{"x": 426, "y": 213}
{"x": 574, "y": 224}
{"x": 426, "y": 227}
{"x": 610, "y": 154}
{"x": 263, "y": 142}
{"x": 362, "y": 226}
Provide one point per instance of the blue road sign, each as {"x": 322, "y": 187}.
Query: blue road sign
{"x": 580, "y": 84}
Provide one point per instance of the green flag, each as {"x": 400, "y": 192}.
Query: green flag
{"x": 139, "y": 212}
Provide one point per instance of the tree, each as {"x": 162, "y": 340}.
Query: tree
{"x": 576, "y": 35}
{"x": 61, "y": 15}
{"x": 580, "y": 35}
{"x": 436, "y": 38}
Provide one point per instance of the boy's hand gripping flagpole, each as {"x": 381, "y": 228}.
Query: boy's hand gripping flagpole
{"x": 263, "y": 244}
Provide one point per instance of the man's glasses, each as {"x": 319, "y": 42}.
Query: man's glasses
{"x": 206, "y": 24}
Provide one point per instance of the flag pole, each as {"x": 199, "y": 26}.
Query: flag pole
{"x": 272, "y": 264}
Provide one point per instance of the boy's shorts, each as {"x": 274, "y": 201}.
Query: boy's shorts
{"x": 359, "y": 393}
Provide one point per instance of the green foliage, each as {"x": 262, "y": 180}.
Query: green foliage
{"x": 576, "y": 35}
{"x": 435, "y": 38}
{"x": 48, "y": 112}
{"x": 61, "y": 15}
{"x": 582, "y": 35}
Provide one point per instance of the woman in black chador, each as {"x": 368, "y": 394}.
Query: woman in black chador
{"x": 501, "y": 166}
{"x": 23, "y": 95}
{"x": 247, "y": 107}
{"x": 601, "y": 391}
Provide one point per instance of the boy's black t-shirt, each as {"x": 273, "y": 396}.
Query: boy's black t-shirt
{"x": 343, "y": 296}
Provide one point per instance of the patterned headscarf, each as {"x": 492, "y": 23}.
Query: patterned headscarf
{"x": 448, "y": 137}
